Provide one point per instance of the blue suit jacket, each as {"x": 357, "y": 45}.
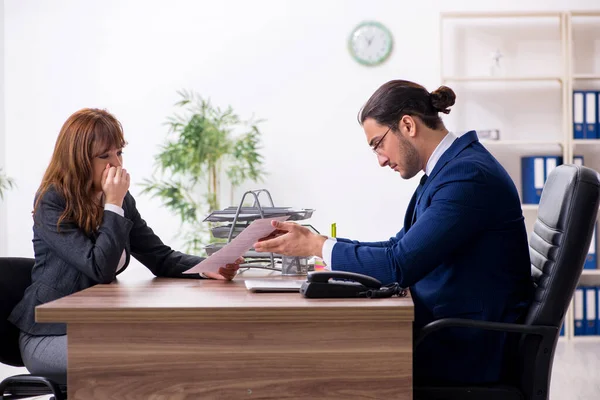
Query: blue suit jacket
{"x": 465, "y": 256}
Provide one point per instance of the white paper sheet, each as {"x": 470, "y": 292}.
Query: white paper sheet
{"x": 237, "y": 247}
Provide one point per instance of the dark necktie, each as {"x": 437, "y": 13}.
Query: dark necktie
{"x": 422, "y": 183}
{"x": 412, "y": 208}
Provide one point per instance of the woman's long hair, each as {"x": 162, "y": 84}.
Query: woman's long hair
{"x": 87, "y": 133}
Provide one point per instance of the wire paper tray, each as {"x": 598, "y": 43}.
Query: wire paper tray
{"x": 214, "y": 247}
{"x": 222, "y": 231}
{"x": 239, "y": 217}
{"x": 227, "y": 215}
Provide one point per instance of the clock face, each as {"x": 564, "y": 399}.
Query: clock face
{"x": 370, "y": 43}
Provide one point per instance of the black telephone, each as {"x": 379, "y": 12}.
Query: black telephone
{"x": 338, "y": 284}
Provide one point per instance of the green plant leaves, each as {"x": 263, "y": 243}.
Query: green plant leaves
{"x": 202, "y": 141}
{"x": 6, "y": 183}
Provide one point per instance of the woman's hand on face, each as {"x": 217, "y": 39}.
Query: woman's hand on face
{"x": 115, "y": 183}
{"x": 227, "y": 272}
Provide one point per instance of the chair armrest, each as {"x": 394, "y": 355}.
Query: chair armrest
{"x": 538, "y": 330}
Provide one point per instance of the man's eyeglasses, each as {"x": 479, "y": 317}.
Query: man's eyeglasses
{"x": 375, "y": 148}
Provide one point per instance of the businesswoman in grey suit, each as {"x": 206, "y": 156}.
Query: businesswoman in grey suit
{"x": 86, "y": 227}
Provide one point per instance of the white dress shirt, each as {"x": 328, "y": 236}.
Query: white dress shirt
{"x": 441, "y": 148}
{"x": 118, "y": 210}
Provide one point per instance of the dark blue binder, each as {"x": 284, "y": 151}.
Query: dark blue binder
{"x": 598, "y": 115}
{"x": 598, "y": 310}
{"x": 532, "y": 178}
{"x": 579, "y": 312}
{"x": 591, "y": 258}
{"x": 534, "y": 172}
{"x": 591, "y": 115}
{"x": 591, "y": 310}
{"x": 578, "y": 114}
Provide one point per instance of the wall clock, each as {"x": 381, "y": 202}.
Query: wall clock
{"x": 370, "y": 43}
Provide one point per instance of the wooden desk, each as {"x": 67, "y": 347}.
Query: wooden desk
{"x": 191, "y": 339}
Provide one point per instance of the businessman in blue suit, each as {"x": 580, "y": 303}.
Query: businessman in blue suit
{"x": 463, "y": 249}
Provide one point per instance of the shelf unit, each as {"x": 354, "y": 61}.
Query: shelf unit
{"x": 588, "y": 77}
{"x": 521, "y": 142}
{"x": 530, "y": 207}
{"x": 577, "y": 79}
{"x": 565, "y": 80}
{"x": 502, "y": 78}
{"x": 590, "y": 142}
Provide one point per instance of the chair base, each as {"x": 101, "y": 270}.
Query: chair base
{"x": 23, "y": 386}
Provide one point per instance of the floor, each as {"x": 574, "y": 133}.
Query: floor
{"x": 576, "y": 372}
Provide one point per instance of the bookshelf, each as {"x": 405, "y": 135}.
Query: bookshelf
{"x": 587, "y": 77}
{"x": 529, "y": 99}
{"x": 520, "y": 142}
{"x": 501, "y": 78}
{"x": 587, "y": 142}
{"x": 583, "y": 34}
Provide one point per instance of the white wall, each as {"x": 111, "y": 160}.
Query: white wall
{"x": 3, "y": 222}
{"x": 285, "y": 61}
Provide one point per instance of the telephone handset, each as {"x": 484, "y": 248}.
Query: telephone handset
{"x": 338, "y": 284}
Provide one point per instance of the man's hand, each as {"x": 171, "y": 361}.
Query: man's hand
{"x": 291, "y": 239}
{"x": 227, "y": 272}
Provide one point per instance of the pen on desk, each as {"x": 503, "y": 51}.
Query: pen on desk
{"x": 333, "y": 230}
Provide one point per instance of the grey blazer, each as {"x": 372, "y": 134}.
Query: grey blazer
{"x": 67, "y": 260}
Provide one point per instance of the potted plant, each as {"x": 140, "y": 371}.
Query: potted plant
{"x": 5, "y": 183}
{"x": 205, "y": 145}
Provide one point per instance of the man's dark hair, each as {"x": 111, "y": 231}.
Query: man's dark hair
{"x": 397, "y": 98}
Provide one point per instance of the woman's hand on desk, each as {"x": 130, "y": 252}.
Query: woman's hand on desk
{"x": 291, "y": 239}
{"x": 227, "y": 272}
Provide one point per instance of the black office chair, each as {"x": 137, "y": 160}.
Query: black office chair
{"x": 15, "y": 277}
{"x": 558, "y": 247}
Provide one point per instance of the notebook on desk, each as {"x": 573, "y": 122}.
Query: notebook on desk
{"x": 272, "y": 285}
